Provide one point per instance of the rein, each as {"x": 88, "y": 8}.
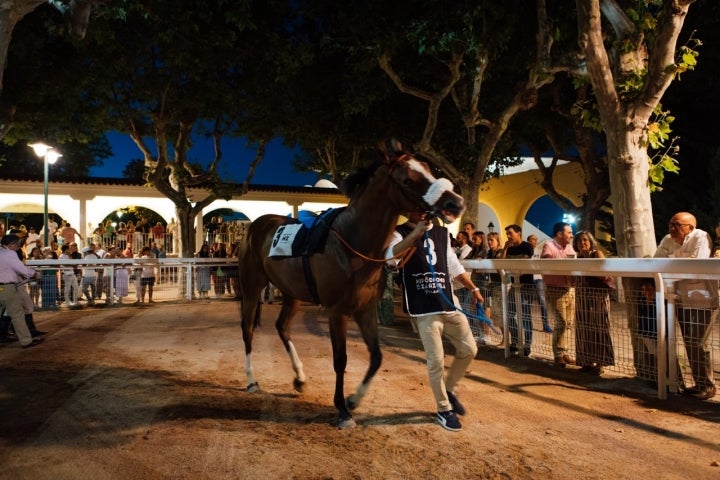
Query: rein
{"x": 404, "y": 255}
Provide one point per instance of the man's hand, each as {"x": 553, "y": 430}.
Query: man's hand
{"x": 421, "y": 227}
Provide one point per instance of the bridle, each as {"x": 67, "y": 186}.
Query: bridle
{"x": 398, "y": 158}
{"x": 405, "y": 255}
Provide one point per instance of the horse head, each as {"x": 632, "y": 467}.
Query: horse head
{"x": 422, "y": 191}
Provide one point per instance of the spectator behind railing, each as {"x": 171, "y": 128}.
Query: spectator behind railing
{"x": 560, "y": 293}
{"x": 696, "y": 316}
{"x": 203, "y": 273}
{"x": 647, "y": 321}
{"x": 593, "y": 343}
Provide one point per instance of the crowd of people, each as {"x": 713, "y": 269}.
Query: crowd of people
{"x": 132, "y": 234}
{"x": 77, "y": 285}
{"x": 580, "y": 305}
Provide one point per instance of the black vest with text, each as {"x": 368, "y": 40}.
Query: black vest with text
{"x": 422, "y": 280}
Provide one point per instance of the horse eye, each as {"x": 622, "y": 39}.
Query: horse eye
{"x": 407, "y": 181}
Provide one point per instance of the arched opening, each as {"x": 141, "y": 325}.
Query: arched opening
{"x": 131, "y": 226}
{"x": 541, "y": 216}
{"x": 224, "y": 225}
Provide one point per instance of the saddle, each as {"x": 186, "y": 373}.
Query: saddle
{"x": 297, "y": 239}
{"x": 300, "y": 239}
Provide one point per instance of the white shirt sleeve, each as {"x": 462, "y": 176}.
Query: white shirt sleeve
{"x": 455, "y": 268}
{"x": 394, "y": 240}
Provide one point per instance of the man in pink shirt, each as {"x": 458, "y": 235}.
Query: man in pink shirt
{"x": 560, "y": 293}
{"x": 68, "y": 234}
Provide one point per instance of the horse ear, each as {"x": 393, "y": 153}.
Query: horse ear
{"x": 389, "y": 148}
{"x": 396, "y": 145}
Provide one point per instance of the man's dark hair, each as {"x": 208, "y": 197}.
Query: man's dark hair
{"x": 559, "y": 227}
{"x": 515, "y": 228}
{"x": 9, "y": 239}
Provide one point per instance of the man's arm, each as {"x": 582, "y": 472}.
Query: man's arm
{"x": 701, "y": 246}
{"x": 411, "y": 237}
{"x": 662, "y": 250}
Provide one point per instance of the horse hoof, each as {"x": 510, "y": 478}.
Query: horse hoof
{"x": 350, "y": 403}
{"x": 298, "y": 385}
{"x": 253, "y": 387}
{"x": 347, "y": 423}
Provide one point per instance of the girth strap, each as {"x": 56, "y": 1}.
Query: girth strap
{"x": 310, "y": 279}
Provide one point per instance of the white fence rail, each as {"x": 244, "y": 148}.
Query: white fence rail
{"x": 664, "y": 361}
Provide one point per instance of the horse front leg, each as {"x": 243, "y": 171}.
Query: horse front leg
{"x": 367, "y": 322}
{"x": 287, "y": 312}
{"x": 338, "y": 336}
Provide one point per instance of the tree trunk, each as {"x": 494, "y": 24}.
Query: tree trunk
{"x": 186, "y": 227}
{"x": 469, "y": 191}
{"x": 625, "y": 121}
{"x": 11, "y": 12}
{"x": 632, "y": 210}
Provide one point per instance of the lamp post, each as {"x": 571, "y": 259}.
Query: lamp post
{"x": 49, "y": 156}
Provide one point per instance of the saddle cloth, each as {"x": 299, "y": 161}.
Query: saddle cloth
{"x": 295, "y": 239}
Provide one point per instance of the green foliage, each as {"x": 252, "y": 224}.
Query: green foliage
{"x": 663, "y": 159}
{"x": 587, "y": 112}
{"x": 687, "y": 57}
{"x": 631, "y": 84}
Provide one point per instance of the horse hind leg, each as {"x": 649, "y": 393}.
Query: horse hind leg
{"x": 249, "y": 314}
{"x": 287, "y": 312}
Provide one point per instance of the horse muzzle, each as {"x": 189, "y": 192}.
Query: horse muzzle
{"x": 448, "y": 208}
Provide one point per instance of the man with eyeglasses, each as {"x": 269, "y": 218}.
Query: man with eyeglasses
{"x": 11, "y": 268}
{"x": 695, "y": 319}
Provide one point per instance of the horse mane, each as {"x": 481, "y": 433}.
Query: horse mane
{"x": 354, "y": 182}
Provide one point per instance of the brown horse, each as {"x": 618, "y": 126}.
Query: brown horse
{"x": 346, "y": 274}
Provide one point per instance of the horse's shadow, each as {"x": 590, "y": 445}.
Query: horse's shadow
{"x": 280, "y": 408}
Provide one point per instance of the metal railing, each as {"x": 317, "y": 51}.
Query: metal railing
{"x": 663, "y": 360}
{"x": 174, "y": 278}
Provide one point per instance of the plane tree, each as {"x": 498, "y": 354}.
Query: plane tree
{"x": 476, "y": 66}
{"x": 632, "y": 55}
{"x": 75, "y": 15}
{"x": 167, "y": 73}
{"x": 460, "y": 73}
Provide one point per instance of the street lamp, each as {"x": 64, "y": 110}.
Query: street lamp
{"x": 491, "y": 227}
{"x": 50, "y": 156}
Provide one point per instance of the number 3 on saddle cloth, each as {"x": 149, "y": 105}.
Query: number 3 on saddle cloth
{"x": 301, "y": 239}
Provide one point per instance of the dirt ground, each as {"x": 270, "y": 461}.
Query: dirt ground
{"x": 158, "y": 392}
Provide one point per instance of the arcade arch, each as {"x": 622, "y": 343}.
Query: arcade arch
{"x": 502, "y": 201}
{"x": 510, "y": 198}
{"x": 91, "y": 201}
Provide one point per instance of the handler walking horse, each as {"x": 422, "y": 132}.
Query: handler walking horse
{"x": 345, "y": 275}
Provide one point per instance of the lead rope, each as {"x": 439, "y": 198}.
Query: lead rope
{"x": 480, "y": 308}
{"x": 404, "y": 255}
